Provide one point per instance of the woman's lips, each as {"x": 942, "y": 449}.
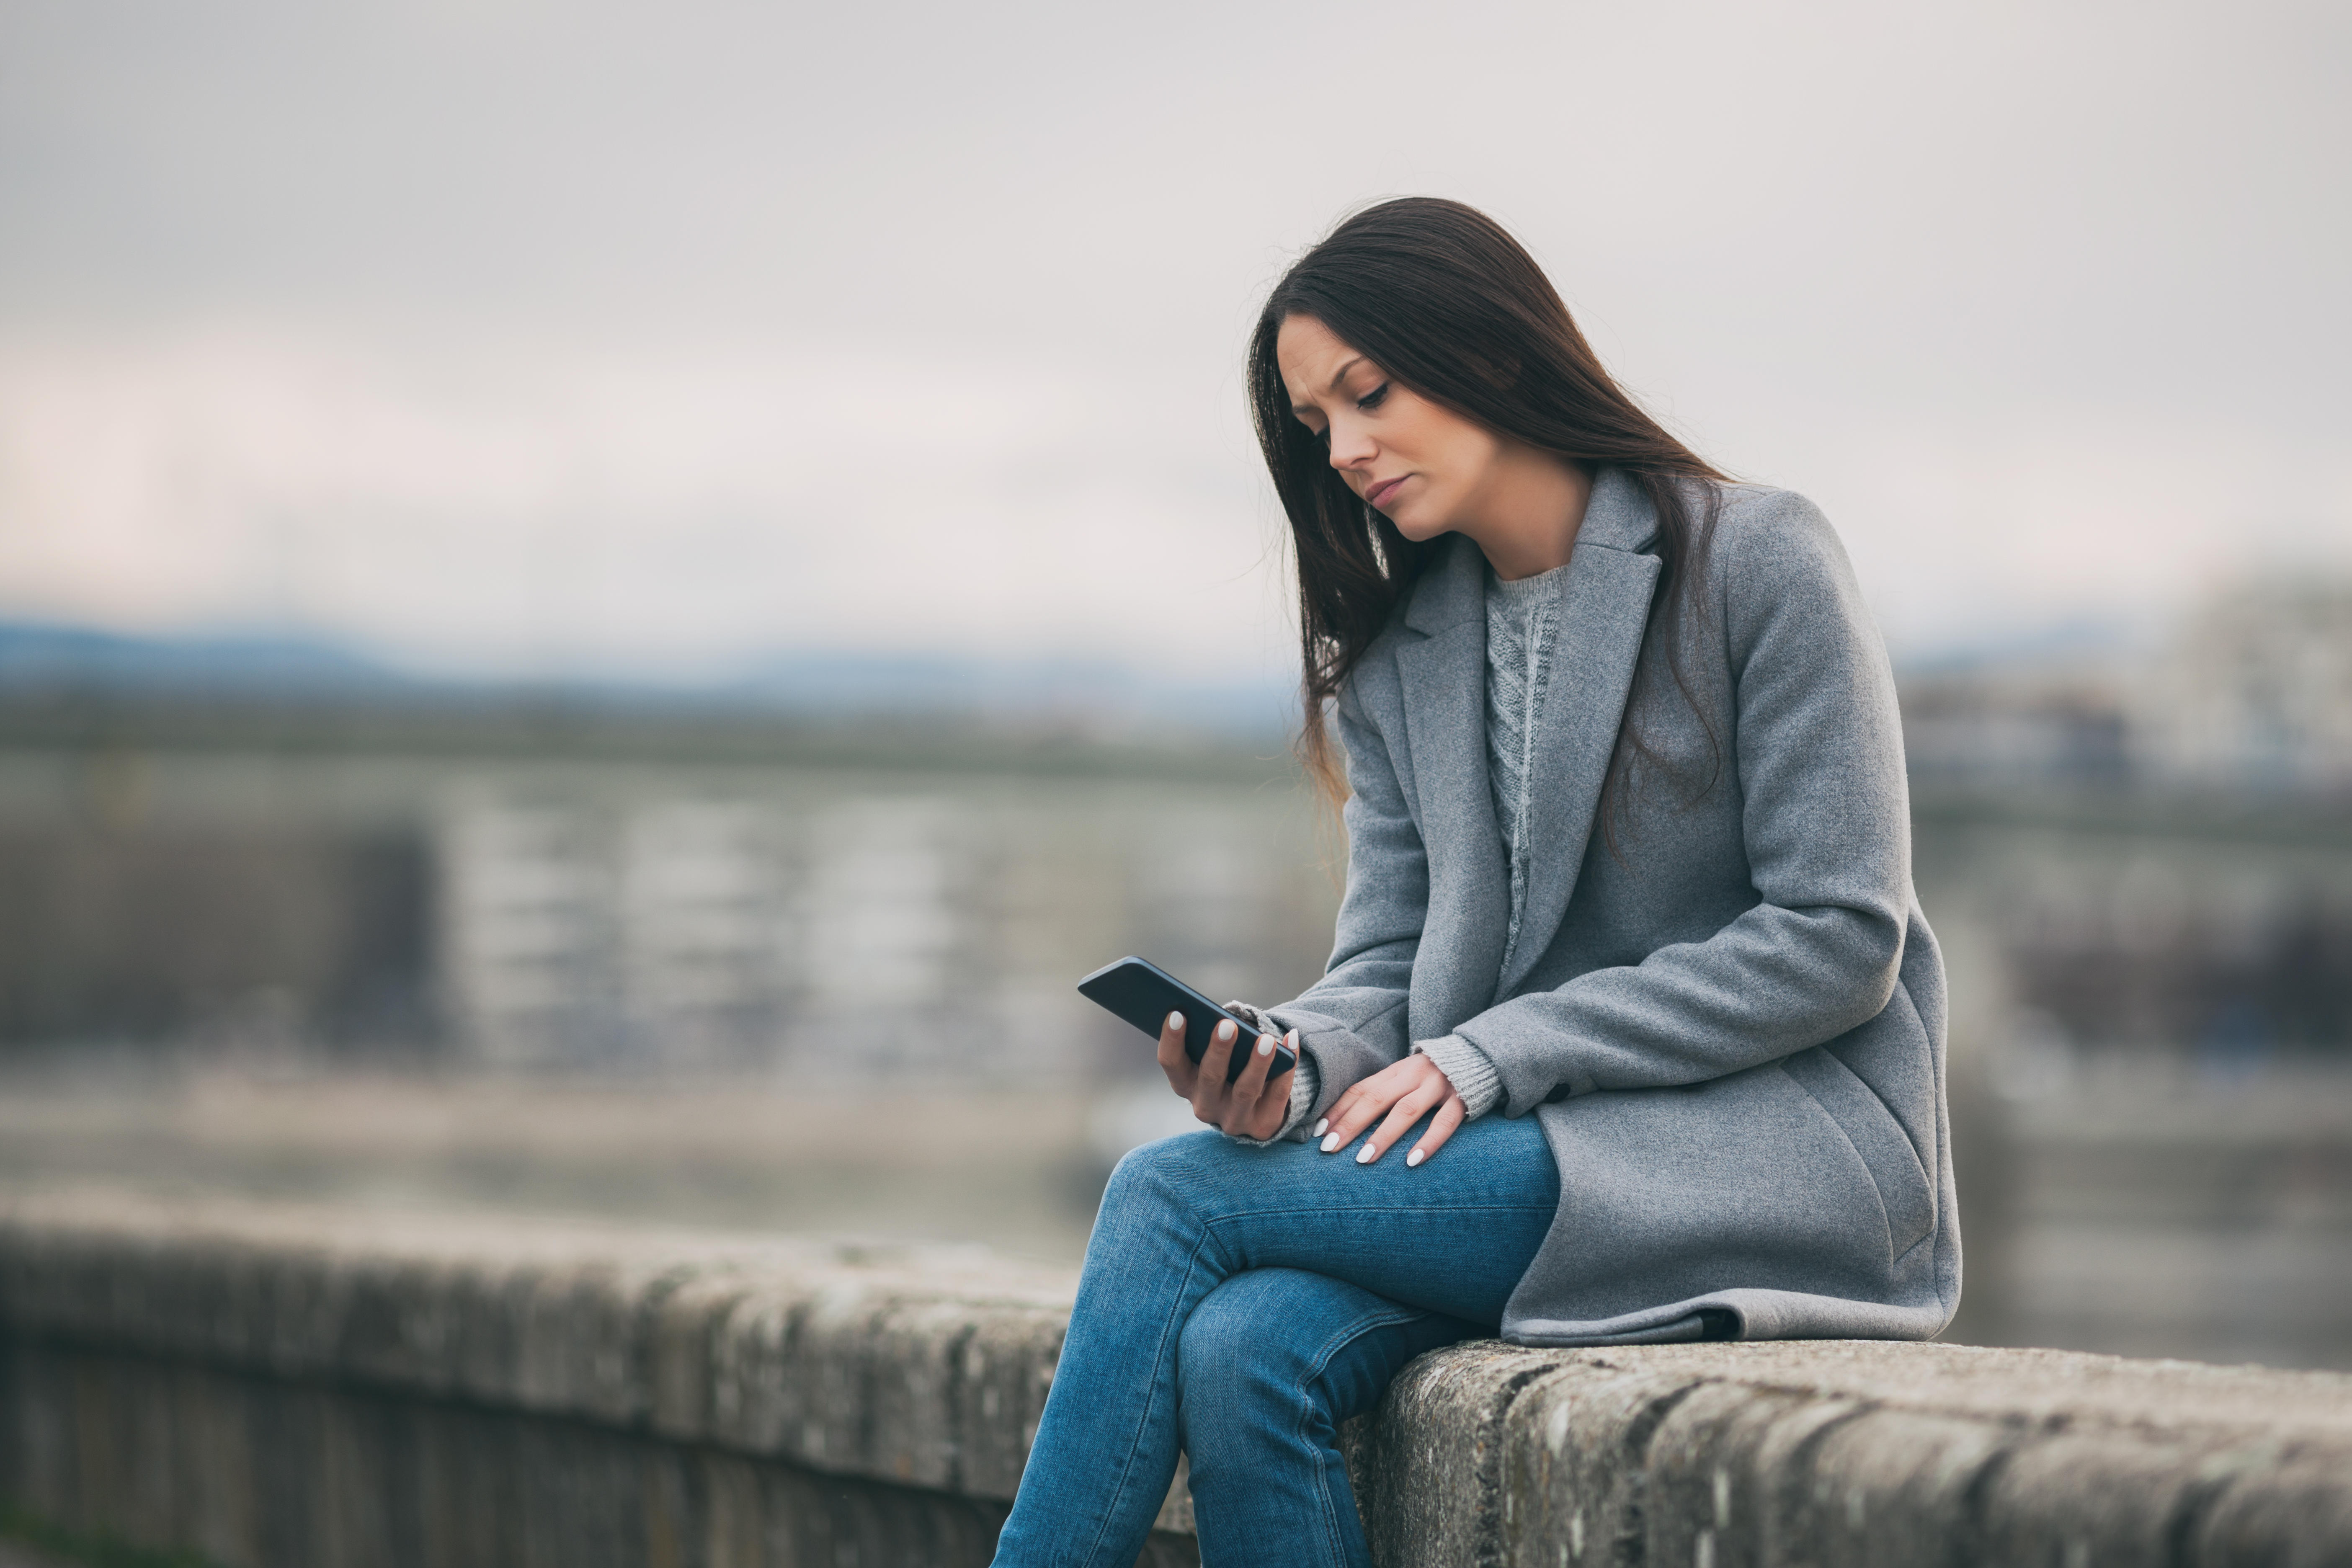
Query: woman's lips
{"x": 1378, "y": 496}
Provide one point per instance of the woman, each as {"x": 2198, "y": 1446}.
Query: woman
{"x": 1629, "y": 933}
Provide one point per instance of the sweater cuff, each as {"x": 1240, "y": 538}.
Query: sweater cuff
{"x": 1469, "y": 1070}
{"x": 1306, "y": 1082}
{"x": 1306, "y": 1087}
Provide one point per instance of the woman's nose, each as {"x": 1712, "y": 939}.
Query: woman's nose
{"x": 1350, "y": 447}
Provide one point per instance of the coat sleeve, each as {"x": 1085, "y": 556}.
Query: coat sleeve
{"x": 1352, "y": 1021}
{"x": 1817, "y": 745}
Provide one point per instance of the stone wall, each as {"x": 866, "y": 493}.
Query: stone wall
{"x": 304, "y": 1387}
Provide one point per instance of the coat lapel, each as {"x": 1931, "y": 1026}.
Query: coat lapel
{"x": 1603, "y": 612}
{"x": 1445, "y": 690}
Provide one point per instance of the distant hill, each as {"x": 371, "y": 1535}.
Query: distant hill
{"x": 47, "y": 662}
{"x": 1100, "y": 692}
{"x": 2067, "y": 643}
{"x": 35, "y": 656}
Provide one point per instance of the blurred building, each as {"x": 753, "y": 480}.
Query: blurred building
{"x": 2138, "y": 860}
{"x": 2255, "y": 693}
{"x": 638, "y": 888}
{"x": 2157, "y": 836}
{"x": 1997, "y": 727}
{"x": 888, "y": 924}
{"x": 2251, "y": 696}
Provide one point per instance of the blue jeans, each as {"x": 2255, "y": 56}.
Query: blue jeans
{"x": 1241, "y": 1303}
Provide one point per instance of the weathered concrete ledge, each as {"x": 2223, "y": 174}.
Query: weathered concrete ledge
{"x": 1842, "y": 1452}
{"x": 272, "y": 1385}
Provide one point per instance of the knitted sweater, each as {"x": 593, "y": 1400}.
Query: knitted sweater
{"x": 1521, "y": 620}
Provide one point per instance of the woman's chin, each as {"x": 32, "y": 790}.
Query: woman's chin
{"x": 1415, "y": 526}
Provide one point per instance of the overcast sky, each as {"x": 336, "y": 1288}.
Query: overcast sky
{"x": 521, "y": 336}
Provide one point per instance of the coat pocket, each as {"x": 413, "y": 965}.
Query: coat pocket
{"x": 1877, "y": 1137}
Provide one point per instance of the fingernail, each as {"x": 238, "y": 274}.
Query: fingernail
{"x": 1266, "y": 1045}
{"x": 1293, "y": 1038}
{"x": 1416, "y": 1158}
{"x": 1322, "y": 1127}
{"x": 1225, "y": 1030}
{"x": 1176, "y": 1022}
{"x": 1367, "y": 1155}
{"x": 1331, "y": 1143}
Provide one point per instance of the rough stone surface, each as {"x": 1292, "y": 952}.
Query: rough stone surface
{"x": 272, "y": 1385}
{"x": 1854, "y": 1453}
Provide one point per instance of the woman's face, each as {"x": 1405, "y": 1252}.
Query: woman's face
{"x": 1423, "y": 467}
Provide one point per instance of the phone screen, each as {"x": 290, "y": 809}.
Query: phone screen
{"x": 1144, "y": 995}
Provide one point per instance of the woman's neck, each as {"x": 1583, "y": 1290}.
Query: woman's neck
{"x": 1527, "y": 512}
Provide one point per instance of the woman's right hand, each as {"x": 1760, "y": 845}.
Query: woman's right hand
{"x": 1403, "y": 1093}
{"x": 1250, "y": 1106}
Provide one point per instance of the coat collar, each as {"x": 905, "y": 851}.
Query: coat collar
{"x": 1468, "y": 915}
{"x": 1619, "y": 516}
{"x": 1603, "y": 612}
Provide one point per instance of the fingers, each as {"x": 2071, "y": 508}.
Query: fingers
{"x": 1272, "y": 1107}
{"x": 1209, "y": 1088}
{"x": 1400, "y": 1121}
{"x": 1449, "y": 1116}
{"x": 1365, "y": 1102}
{"x": 1243, "y": 1097}
{"x": 1389, "y": 1104}
{"x": 1173, "y": 1059}
{"x": 1348, "y": 1116}
{"x": 1339, "y": 1124}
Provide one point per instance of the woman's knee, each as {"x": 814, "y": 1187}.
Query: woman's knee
{"x": 1236, "y": 1346}
{"x": 1144, "y": 1170}
{"x": 1169, "y": 1173}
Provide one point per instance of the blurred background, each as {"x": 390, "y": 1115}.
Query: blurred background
{"x": 601, "y": 607}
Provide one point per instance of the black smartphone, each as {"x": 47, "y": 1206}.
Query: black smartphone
{"x": 1144, "y": 995}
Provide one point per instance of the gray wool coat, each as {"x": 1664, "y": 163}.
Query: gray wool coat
{"x": 1731, "y": 1028}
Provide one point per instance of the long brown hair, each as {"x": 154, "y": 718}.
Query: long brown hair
{"x": 1444, "y": 300}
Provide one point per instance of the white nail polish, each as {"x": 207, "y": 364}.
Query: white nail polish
{"x": 1330, "y": 1144}
{"x": 1416, "y": 1158}
{"x": 1322, "y": 1127}
{"x": 1293, "y": 1038}
{"x": 1367, "y": 1155}
{"x": 1266, "y": 1045}
{"x": 1225, "y": 1030}
{"x": 1176, "y": 1022}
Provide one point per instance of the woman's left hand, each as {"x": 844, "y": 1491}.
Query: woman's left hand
{"x": 1249, "y": 1107}
{"x": 1403, "y": 1093}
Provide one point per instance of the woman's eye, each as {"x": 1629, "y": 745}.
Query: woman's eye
{"x": 1374, "y": 398}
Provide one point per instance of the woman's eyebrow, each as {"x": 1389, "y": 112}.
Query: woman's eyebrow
{"x": 1337, "y": 377}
